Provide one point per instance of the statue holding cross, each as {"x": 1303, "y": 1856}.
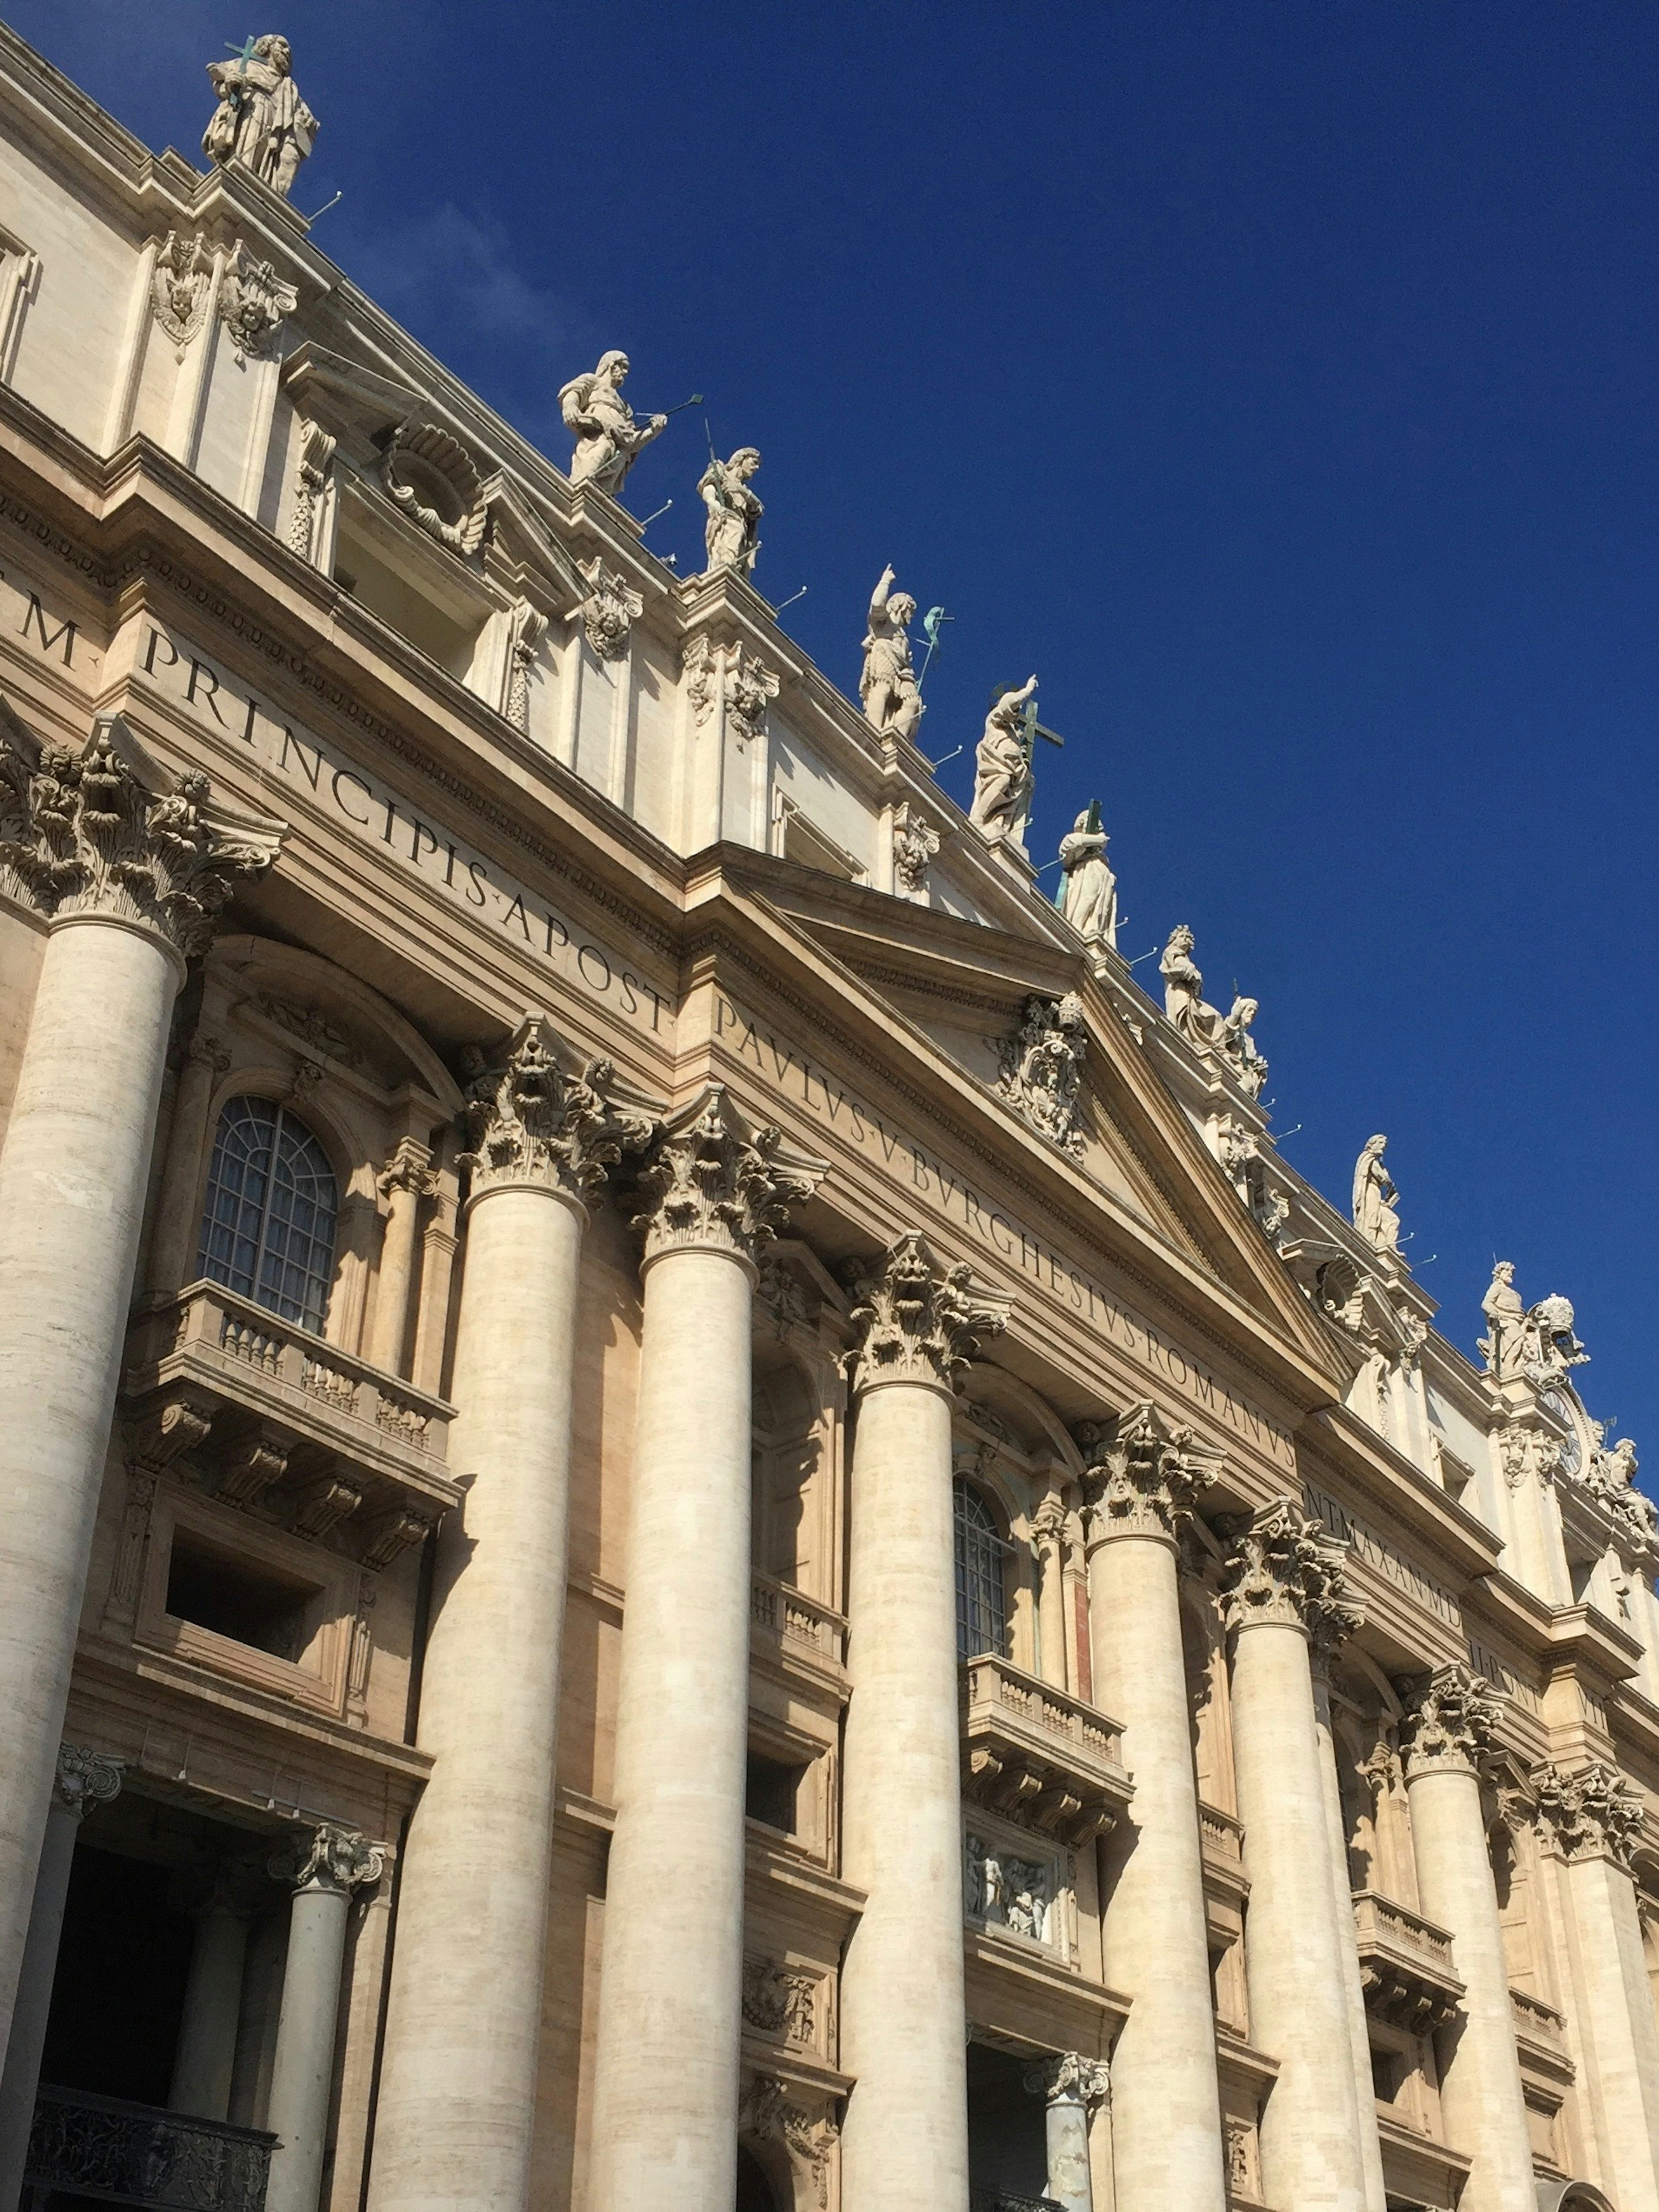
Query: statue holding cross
{"x": 261, "y": 120}
{"x": 1088, "y": 889}
{"x": 1003, "y": 776}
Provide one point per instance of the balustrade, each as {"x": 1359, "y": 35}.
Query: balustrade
{"x": 1032, "y": 1750}
{"x": 780, "y": 1609}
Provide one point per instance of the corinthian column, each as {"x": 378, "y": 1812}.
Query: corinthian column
{"x": 1167, "y": 2152}
{"x": 1590, "y": 1822}
{"x": 1069, "y": 2085}
{"x": 457, "y": 2093}
{"x": 1445, "y": 1739}
{"x": 670, "y": 2017}
{"x": 902, "y": 2009}
{"x": 131, "y": 865}
{"x": 406, "y": 1179}
{"x": 1285, "y": 1583}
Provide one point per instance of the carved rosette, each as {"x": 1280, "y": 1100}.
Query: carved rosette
{"x": 328, "y": 1857}
{"x": 108, "y": 831}
{"x": 918, "y": 1321}
{"x": 530, "y": 1122}
{"x": 1450, "y": 1723}
{"x": 1070, "y": 2079}
{"x": 1286, "y": 1568}
{"x": 1592, "y": 1814}
{"x": 1140, "y": 1475}
{"x": 84, "y": 1779}
{"x": 714, "y": 1184}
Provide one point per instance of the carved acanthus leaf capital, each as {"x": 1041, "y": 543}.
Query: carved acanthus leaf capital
{"x": 409, "y": 1170}
{"x": 530, "y": 1122}
{"x": 1592, "y": 1814}
{"x": 328, "y": 1857}
{"x": 1287, "y": 1568}
{"x": 109, "y": 831}
{"x": 1141, "y": 1474}
{"x": 715, "y": 1184}
{"x": 84, "y": 1779}
{"x": 1450, "y": 1721}
{"x": 918, "y": 1321}
{"x": 1070, "y": 2079}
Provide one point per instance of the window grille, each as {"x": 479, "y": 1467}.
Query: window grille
{"x": 272, "y": 1204}
{"x": 981, "y": 1578}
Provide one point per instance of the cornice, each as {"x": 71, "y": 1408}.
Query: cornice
{"x": 1389, "y": 1480}
{"x": 1583, "y": 1642}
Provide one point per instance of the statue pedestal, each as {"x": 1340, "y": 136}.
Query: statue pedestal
{"x": 1009, "y": 852}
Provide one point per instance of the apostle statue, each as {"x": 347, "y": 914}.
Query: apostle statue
{"x": 1234, "y": 1044}
{"x": 1505, "y": 1311}
{"x": 731, "y": 529}
{"x": 892, "y": 703}
{"x": 261, "y": 119}
{"x": 1002, "y": 780}
{"x": 1183, "y": 987}
{"x": 608, "y": 439}
{"x": 1088, "y": 888}
{"x": 1376, "y": 1201}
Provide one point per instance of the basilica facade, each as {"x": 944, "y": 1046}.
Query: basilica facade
{"x": 694, "y": 1516}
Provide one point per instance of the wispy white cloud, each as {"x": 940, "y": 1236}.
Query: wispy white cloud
{"x": 452, "y": 274}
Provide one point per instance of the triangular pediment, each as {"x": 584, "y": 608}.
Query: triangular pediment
{"x": 963, "y": 990}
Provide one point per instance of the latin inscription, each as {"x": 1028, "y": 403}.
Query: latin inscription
{"x": 382, "y": 818}
{"x": 1376, "y": 1552}
{"x": 790, "y": 1070}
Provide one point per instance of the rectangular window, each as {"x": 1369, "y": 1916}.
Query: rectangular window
{"x": 250, "y": 1602}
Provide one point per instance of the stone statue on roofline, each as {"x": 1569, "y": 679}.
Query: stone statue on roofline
{"x": 888, "y": 687}
{"x": 1226, "y": 1037}
{"x": 1532, "y": 1344}
{"x": 1376, "y": 1201}
{"x": 1088, "y": 888}
{"x": 608, "y": 438}
{"x": 1002, "y": 778}
{"x": 261, "y": 120}
{"x": 732, "y": 530}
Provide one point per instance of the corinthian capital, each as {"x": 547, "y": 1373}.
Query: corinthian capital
{"x": 530, "y": 1122}
{"x": 714, "y": 1185}
{"x": 1594, "y": 1813}
{"x": 1450, "y": 1723}
{"x": 918, "y": 1321}
{"x": 1069, "y": 2079}
{"x": 1140, "y": 1474}
{"x": 109, "y": 831}
{"x": 328, "y": 1857}
{"x": 84, "y": 1779}
{"x": 1285, "y": 1567}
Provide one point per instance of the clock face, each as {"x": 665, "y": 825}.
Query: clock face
{"x": 1572, "y": 1454}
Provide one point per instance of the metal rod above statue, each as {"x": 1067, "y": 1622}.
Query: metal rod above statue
{"x": 610, "y": 439}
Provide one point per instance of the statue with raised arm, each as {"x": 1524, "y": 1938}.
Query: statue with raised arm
{"x": 1501, "y": 1347}
{"x": 261, "y": 120}
{"x": 1088, "y": 888}
{"x": 1376, "y": 1201}
{"x": 732, "y": 530}
{"x": 892, "y": 703}
{"x": 1002, "y": 778}
{"x": 608, "y": 438}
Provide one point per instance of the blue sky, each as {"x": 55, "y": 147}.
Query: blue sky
{"x": 1277, "y": 381}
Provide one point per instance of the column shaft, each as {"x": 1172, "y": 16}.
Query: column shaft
{"x": 457, "y": 2102}
{"x": 666, "y": 2095}
{"x": 905, "y": 2140}
{"x": 1166, "y": 2111}
{"x": 404, "y": 1183}
{"x": 1051, "y": 1596}
{"x": 206, "y": 2056}
{"x": 22, "y": 2076}
{"x": 303, "y": 2074}
{"x": 1310, "y": 2126}
{"x": 1370, "y": 2142}
{"x": 72, "y": 1178}
{"x": 178, "y": 1226}
{"x": 1065, "y": 2126}
{"x": 1480, "y": 2091}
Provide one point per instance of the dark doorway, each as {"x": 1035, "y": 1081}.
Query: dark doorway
{"x": 755, "y": 2192}
{"x": 118, "y": 1995}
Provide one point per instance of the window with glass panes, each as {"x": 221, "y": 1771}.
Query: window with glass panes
{"x": 981, "y": 1577}
{"x": 273, "y": 1204}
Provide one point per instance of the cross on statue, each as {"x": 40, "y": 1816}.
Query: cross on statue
{"x": 243, "y": 53}
{"x": 1029, "y": 728}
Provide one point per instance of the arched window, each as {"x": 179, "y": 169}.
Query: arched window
{"x": 981, "y": 1577}
{"x": 272, "y": 1203}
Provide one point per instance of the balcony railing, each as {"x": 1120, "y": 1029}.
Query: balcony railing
{"x": 1006, "y": 2200}
{"x": 122, "y": 2153}
{"x": 1405, "y": 1964}
{"x": 228, "y": 1359}
{"x": 780, "y": 1610}
{"x": 1033, "y": 1752}
{"x": 1539, "y": 2024}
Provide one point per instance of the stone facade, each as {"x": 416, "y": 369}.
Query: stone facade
{"x": 695, "y": 1517}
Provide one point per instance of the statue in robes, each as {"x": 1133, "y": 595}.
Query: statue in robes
{"x": 892, "y": 703}
{"x": 1002, "y": 778}
{"x": 732, "y": 530}
{"x": 1088, "y": 888}
{"x": 1376, "y": 1201}
{"x": 261, "y": 120}
{"x": 608, "y": 438}
{"x": 1502, "y": 1346}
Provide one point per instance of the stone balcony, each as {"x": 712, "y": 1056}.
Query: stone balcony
{"x": 785, "y": 1620}
{"x": 1540, "y": 2031}
{"x": 1035, "y": 1753}
{"x": 83, "y": 2149}
{"x": 1405, "y": 1964}
{"x": 261, "y": 1402}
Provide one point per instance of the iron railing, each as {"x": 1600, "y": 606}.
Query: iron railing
{"x": 115, "y": 2153}
{"x": 1008, "y": 2200}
